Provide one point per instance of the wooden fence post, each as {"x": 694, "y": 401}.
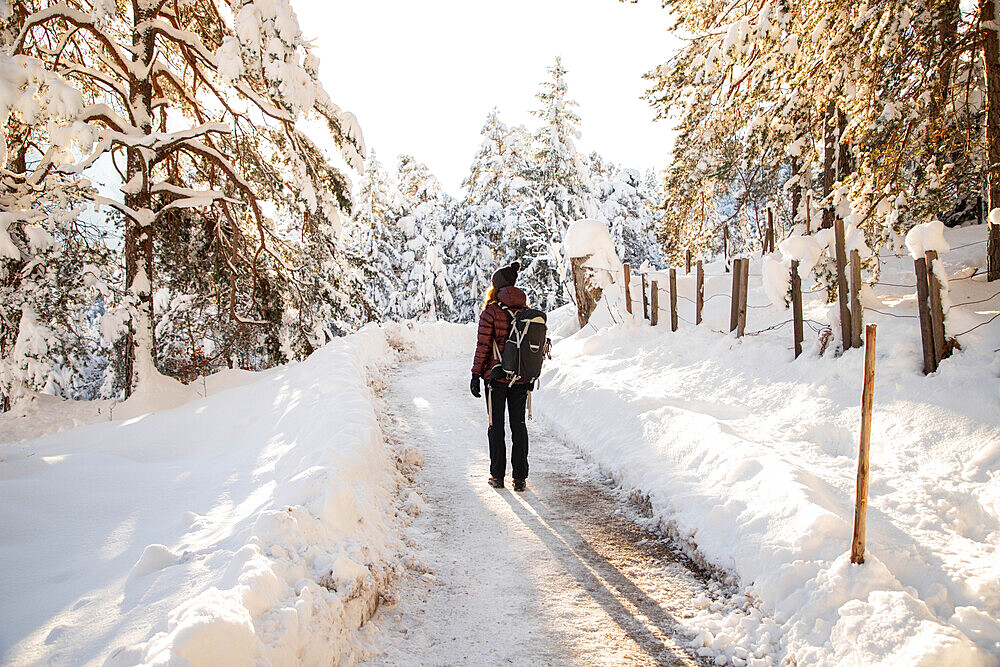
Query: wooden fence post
{"x": 924, "y": 311}
{"x": 645, "y": 299}
{"x": 687, "y": 261}
{"x": 807, "y": 215}
{"x": 628, "y": 294}
{"x": 673, "y": 299}
{"x": 699, "y": 299}
{"x": 857, "y": 314}
{"x": 734, "y": 304}
{"x": 861, "y": 498}
{"x": 741, "y": 322}
{"x": 845, "y": 313}
{"x": 654, "y": 304}
{"x": 769, "y": 233}
{"x": 937, "y": 312}
{"x": 797, "y": 307}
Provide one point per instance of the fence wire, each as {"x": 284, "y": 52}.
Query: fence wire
{"x": 819, "y": 327}
{"x": 981, "y": 324}
{"x": 969, "y": 303}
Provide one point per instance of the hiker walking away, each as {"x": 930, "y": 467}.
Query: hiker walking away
{"x": 494, "y": 327}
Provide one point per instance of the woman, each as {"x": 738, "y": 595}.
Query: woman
{"x": 494, "y": 325}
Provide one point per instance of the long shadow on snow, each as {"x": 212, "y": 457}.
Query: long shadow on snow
{"x": 604, "y": 581}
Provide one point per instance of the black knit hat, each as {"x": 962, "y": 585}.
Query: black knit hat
{"x": 506, "y": 276}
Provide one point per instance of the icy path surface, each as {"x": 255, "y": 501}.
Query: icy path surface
{"x": 560, "y": 574}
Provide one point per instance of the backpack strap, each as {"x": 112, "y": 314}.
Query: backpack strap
{"x": 529, "y": 405}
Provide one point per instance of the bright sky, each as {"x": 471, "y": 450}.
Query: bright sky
{"x": 422, "y": 76}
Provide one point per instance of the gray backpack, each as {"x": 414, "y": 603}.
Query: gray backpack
{"x": 525, "y": 349}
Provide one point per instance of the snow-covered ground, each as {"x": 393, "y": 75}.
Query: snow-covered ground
{"x": 751, "y": 458}
{"x": 261, "y": 521}
{"x": 256, "y": 523}
{"x": 559, "y": 574}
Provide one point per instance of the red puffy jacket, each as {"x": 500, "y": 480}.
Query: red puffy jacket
{"x": 494, "y": 325}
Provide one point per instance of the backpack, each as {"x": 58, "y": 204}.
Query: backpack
{"x": 525, "y": 349}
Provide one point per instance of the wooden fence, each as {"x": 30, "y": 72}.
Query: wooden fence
{"x": 936, "y": 344}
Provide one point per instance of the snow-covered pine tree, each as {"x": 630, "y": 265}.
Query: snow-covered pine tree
{"x": 487, "y": 211}
{"x": 427, "y": 211}
{"x": 233, "y": 82}
{"x": 376, "y": 237}
{"x": 622, "y": 199}
{"x": 556, "y": 197}
{"x": 53, "y": 261}
{"x": 869, "y": 111}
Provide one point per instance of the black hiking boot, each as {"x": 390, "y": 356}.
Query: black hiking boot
{"x": 519, "y": 484}
{"x": 496, "y": 482}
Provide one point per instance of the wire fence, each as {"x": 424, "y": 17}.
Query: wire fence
{"x": 818, "y": 328}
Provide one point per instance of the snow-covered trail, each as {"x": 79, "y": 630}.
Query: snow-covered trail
{"x": 560, "y": 574}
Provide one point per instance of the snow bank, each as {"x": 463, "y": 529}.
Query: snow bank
{"x": 36, "y": 414}
{"x": 749, "y": 456}
{"x": 255, "y": 525}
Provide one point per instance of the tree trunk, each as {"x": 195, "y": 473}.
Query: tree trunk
{"x": 140, "y": 346}
{"x": 947, "y": 16}
{"x": 796, "y": 191}
{"x": 991, "y": 66}
{"x": 843, "y": 150}
{"x": 587, "y": 295}
{"x": 829, "y": 161}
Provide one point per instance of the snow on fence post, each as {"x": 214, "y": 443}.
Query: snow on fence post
{"x": 734, "y": 302}
{"x": 645, "y": 299}
{"x": 699, "y": 301}
{"x": 845, "y": 313}
{"x": 923, "y": 308}
{"x": 797, "y": 307}
{"x": 861, "y": 498}
{"x": 741, "y": 322}
{"x": 857, "y": 315}
{"x": 673, "y": 299}
{"x": 937, "y": 311}
{"x": 654, "y": 306}
{"x": 628, "y": 294}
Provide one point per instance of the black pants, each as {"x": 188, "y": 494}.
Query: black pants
{"x": 515, "y": 398}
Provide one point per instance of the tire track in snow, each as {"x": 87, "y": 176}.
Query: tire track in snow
{"x": 560, "y": 574}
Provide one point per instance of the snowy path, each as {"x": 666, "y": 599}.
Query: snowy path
{"x": 560, "y": 574}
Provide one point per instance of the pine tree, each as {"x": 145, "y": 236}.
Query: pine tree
{"x": 625, "y": 202}
{"x": 53, "y": 260}
{"x": 233, "y": 83}
{"x": 851, "y": 108}
{"x": 557, "y": 195}
{"x": 487, "y": 212}
{"x": 427, "y": 210}
{"x": 376, "y": 237}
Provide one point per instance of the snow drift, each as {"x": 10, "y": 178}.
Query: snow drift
{"x": 749, "y": 456}
{"x": 252, "y": 525}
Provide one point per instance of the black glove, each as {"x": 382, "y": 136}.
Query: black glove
{"x": 474, "y": 386}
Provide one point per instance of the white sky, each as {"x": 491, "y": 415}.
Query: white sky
{"x": 422, "y": 76}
